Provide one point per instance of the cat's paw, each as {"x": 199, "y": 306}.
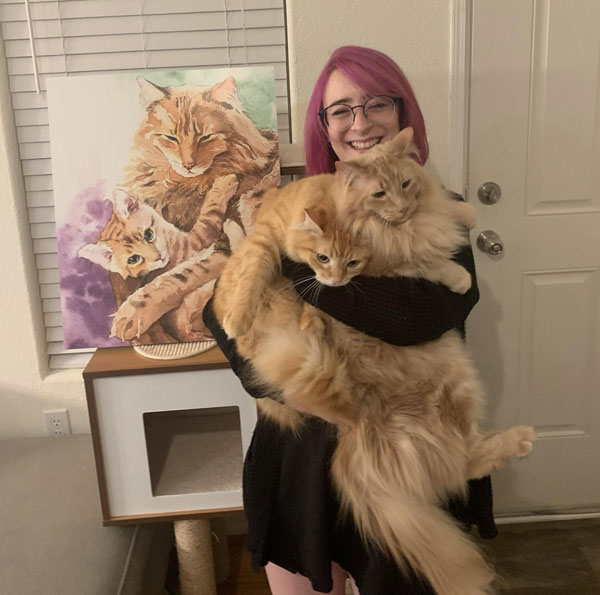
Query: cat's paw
{"x": 130, "y": 321}
{"x": 467, "y": 215}
{"x": 461, "y": 283}
{"x": 235, "y": 234}
{"x": 523, "y": 437}
{"x": 312, "y": 321}
{"x": 225, "y": 187}
{"x": 236, "y": 324}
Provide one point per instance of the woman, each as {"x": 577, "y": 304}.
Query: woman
{"x": 361, "y": 98}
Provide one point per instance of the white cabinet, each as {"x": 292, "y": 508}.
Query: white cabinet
{"x": 169, "y": 436}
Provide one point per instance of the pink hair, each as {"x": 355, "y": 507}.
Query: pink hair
{"x": 375, "y": 74}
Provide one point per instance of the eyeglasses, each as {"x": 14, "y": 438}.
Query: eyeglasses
{"x": 377, "y": 110}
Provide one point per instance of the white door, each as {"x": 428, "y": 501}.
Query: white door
{"x": 535, "y": 335}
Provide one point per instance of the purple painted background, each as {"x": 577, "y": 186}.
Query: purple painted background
{"x": 86, "y": 294}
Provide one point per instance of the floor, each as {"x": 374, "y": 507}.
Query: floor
{"x": 242, "y": 581}
{"x": 548, "y": 558}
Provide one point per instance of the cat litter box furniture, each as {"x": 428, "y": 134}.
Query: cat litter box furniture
{"x": 51, "y": 537}
{"x": 169, "y": 436}
{"x": 169, "y": 440}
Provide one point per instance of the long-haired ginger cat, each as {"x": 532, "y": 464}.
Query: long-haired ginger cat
{"x": 408, "y": 417}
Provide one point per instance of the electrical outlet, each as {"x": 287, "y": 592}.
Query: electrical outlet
{"x": 57, "y": 422}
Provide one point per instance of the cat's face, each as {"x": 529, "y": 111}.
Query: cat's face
{"x": 334, "y": 256}
{"x": 390, "y": 192}
{"x": 132, "y": 243}
{"x": 189, "y": 127}
{"x": 386, "y": 182}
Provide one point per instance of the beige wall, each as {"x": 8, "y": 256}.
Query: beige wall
{"x": 26, "y": 386}
{"x": 415, "y": 34}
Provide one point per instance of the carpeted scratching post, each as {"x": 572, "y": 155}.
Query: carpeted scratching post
{"x": 194, "y": 542}
{"x": 220, "y": 550}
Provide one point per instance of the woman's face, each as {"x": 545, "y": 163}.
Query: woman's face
{"x": 363, "y": 134}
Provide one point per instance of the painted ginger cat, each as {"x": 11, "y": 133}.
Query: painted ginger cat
{"x": 181, "y": 266}
{"x": 407, "y": 416}
{"x": 189, "y": 137}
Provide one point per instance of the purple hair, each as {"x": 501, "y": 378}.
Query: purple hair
{"x": 375, "y": 74}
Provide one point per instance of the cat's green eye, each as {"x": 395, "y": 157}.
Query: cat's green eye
{"x": 379, "y": 194}
{"x": 352, "y": 263}
{"x": 406, "y": 184}
{"x": 171, "y": 138}
{"x": 134, "y": 259}
{"x": 149, "y": 235}
{"x": 323, "y": 257}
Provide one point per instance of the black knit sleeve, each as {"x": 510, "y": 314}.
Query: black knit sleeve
{"x": 398, "y": 310}
{"x": 240, "y": 366}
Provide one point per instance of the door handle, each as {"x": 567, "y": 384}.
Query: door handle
{"x": 489, "y": 241}
{"x": 489, "y": 193}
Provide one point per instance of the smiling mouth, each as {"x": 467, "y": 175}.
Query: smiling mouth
{"x": 364, "y": 144}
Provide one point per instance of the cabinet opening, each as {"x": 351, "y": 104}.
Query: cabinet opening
{"x": 194, "y": 450}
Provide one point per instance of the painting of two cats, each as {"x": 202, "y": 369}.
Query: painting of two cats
{"x": 156, "y": 177}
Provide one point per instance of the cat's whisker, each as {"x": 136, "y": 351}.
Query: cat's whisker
{"x": 355, "y": 285}
{"x": 303, "y": 280}
{"x": 317, "y": 291}
{"x": 304, "y": 285}
{"x": 308, "y": 290}
{"x": 290, "y": 285}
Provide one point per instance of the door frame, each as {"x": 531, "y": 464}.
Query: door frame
{"x": 460, "y": 82}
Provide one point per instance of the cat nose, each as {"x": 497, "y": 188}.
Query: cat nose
{"x": 189, "y": 165}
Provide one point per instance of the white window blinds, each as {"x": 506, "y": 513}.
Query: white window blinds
{"x": 98, "y": 36}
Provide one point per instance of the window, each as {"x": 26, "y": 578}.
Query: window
{"x": 72, "y": 37}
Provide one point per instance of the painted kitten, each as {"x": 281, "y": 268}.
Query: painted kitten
{"x": 189, "y": 138}
{"x": 138, "y": 243}
{"x": 408, "y": 417}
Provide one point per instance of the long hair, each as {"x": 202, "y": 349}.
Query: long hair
{"x": 374, "y": 73}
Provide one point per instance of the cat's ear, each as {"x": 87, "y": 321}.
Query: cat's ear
{"x": 350, "y": 171}
{"x": 149, "y": 92}
{"x": 403, "y": 140}
{"x": 98, "y": 254}
{"x": 124, "y": 204}
{"x": 314, "y": 220}
{"x": 225, "y": 91}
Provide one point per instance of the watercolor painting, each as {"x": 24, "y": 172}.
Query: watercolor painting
{"x": 157, "y": 176}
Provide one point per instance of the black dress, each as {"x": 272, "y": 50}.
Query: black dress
{"x": 289, "y": 501}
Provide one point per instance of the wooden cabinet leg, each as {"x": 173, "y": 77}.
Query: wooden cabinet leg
{"x": 193, "y": 540}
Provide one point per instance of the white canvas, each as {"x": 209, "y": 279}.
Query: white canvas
{"x": 194, "y": 148}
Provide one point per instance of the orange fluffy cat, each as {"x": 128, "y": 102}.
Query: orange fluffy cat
{"x": 408, "y": 417}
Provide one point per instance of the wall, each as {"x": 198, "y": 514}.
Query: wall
{"x": 26, "y": 386}
{"x": 415, "y": 34}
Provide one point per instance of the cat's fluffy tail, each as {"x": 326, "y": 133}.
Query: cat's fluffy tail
{"x": 311, "y": 376}
{"x": 393, "y": 516}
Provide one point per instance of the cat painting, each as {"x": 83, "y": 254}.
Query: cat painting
{"x": 168, "y": 140}
{"x": 407, "y": 416}
{"x": 189, "y": 138}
